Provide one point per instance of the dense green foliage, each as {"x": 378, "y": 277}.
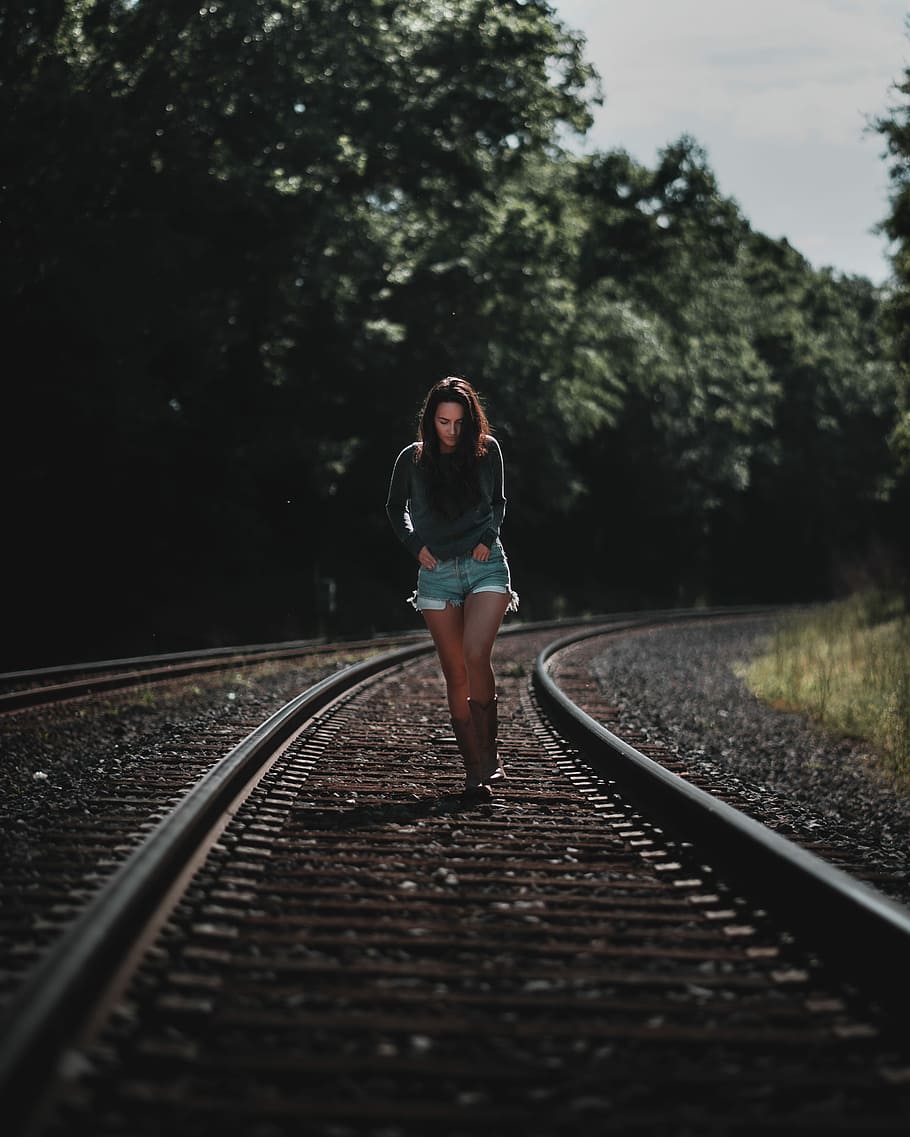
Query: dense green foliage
{"x": 240, "y": 241}
{"x": 895, "y": 127}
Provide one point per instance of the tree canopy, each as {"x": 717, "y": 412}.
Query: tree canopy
{"x": 895, "y": 128}
{"x": 241, "y": 240}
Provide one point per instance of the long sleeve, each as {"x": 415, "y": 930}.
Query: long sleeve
{"x": 497, "y": 493}
{"x": 397, "y": 504}
{"x": 416, "y": 523}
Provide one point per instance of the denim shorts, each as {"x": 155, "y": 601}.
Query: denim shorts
{"x": 452, "y": 580}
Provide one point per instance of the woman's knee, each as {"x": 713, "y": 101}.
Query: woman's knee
{"x": 454, "y": 672}
{"x": 451, "y": 661}
{"x": 478, "y": 656}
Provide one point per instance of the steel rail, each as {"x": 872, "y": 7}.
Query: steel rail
{"x": 136, "y": 670}
{"x": 125, "y": 673}
{"x": 124, "y": 663}
{"x": 96, "y": 677}
{"x": 55, "y": 1001}
{"x": 36, "y": 674}
{"x": 169, "y": 662}
{"x": 854, "y": 926}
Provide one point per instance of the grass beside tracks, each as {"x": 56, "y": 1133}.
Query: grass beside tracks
{"x": 847, "y": 665}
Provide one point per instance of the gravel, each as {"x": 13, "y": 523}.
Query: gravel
{"x": 58, "y": 759}
{"x": 679, "y": 685}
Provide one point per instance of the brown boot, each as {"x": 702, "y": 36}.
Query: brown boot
{"x": 486, "y": 723}
{"x": 469, "y": 747}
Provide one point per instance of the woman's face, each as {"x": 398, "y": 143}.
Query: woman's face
{"x": 448, "y": 422}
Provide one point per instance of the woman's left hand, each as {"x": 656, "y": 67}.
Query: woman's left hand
{"x": 481, "y": 553}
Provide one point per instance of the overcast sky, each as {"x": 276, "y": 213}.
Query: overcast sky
{"x": 778, "y": 92}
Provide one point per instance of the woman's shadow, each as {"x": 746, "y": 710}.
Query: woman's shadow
{"x": 376, "y": 815}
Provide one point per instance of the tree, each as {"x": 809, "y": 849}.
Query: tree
{"x": 664, "y": 248}
{"x": 208, "y": 217}
{"x": 819, "y": 483}
{"x": 895, "y": 128}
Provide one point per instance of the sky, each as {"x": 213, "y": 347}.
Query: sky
{"x": 778, "y": 92}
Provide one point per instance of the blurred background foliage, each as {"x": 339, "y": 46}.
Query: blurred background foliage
{"x": 241, "y": 240}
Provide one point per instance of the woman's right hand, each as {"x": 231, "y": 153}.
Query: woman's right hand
{"x": 426, "y": 558}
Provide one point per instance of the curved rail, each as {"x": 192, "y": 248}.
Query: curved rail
{"x": 116, "y": 674}
{"x": 853, "y": 922}
{"x": 61, "y": 993}
{"x": 56, "y": 998}
{"x": 72, "y": 680}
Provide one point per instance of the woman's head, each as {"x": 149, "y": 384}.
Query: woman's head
{"x": 452, "y": 420}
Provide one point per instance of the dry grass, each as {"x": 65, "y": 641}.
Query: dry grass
{"x": 847, "y": 665}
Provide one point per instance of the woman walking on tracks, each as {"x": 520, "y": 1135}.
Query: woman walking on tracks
{"x": 446, "y": 504}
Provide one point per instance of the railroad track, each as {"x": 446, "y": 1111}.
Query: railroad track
{"x": 572, "y": 668}
{"x": 39, "y": 687}
{"x": 44, "y": 686}
{"x": 338, "y": 944}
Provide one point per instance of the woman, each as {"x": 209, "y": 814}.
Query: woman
{"x": 446, "y": 504}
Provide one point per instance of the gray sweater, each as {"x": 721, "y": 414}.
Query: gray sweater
{"x": 416, "y": 524}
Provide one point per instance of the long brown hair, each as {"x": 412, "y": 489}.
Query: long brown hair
{"x": 455, "y": 488}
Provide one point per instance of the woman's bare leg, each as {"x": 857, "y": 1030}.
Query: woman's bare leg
{"x": 483, "y": 613}
{"x": 464, "y": 639}
{"x": 446, "y": 626}
{"x": 447, "y": 629}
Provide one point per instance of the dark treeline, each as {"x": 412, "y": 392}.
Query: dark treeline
{"x": 240, "y": 241}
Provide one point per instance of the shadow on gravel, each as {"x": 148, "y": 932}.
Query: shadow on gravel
{"x": 393, "y": 813}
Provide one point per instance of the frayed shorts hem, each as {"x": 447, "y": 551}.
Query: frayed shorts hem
{"x": 431, "y": 604}
{"x": 454, "y": 578}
